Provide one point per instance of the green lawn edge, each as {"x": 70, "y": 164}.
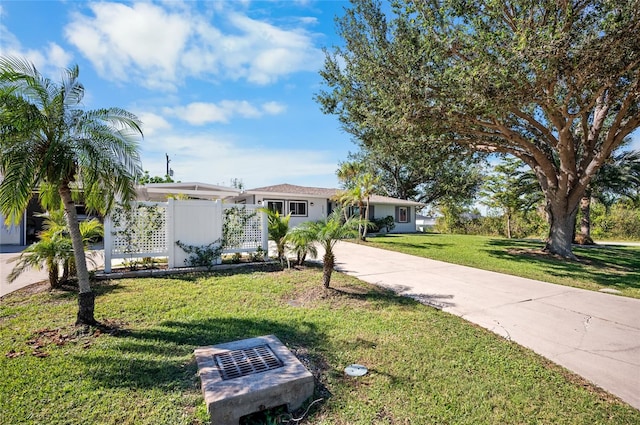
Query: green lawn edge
{"x": 598, "y": 267}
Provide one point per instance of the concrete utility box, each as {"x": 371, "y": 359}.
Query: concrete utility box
{"x": 242, "y": 377}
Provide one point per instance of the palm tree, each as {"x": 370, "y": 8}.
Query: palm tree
{"x": 54, "y": 249}
{"x": 302, "y": 245}
{"x": 327, "y": 233}
{"x": 46, "y": 137}
{"x": 278, "y": 228}
{"x": 48, "y": 253}
{"x": 617, "y": 178}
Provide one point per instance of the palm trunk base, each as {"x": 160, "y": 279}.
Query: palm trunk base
{"x": 86, "y": 305}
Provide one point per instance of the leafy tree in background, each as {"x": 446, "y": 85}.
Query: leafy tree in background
{"x": 423, "y": 175}
{"x": 619, "y": 178}
{"x": 511, "y": 189}
{"x": 47, "y": 138}
{"x": 555, "y": 84}
{"x": 146, "y": 179}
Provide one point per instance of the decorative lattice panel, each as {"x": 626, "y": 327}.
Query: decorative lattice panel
{"x": 242, "y": 227}
{"x": 142, "y": 229}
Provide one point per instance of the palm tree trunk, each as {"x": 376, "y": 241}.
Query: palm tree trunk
{"x": 54, "y": 273}
{"x": 327, "y": 267}
{"x": 86, "y": 297}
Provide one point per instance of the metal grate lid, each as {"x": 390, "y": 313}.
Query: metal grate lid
{"x": 237, "y": 363}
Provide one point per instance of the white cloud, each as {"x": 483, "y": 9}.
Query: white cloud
{"x": 48, "y": 60}
{"x": 153, "y": 124}
{"x": 200, "y": 113}
{"x": 211, "y": 158}
{"x": 143, "y": 40}
{"x": 274, "y": 108}
{"x": 159, "y": 46}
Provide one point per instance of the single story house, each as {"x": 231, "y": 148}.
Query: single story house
{"x": 315, "y": 203}
{"x": 159, "y": 192}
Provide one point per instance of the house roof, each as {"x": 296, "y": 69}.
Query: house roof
{"x": 159, "y": 191}
{"x": 320, "y": 192}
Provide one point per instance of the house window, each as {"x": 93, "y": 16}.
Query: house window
{"x": 403, "y": 215}
{"x": 275, "y": 206}
{"x": 298, "y": 208}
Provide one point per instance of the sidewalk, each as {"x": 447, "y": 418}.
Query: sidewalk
{"x": 593, "y": 334}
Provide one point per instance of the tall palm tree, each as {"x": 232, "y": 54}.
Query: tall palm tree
{"x": 327, "y": 233}
{"x": 47, "y": 138}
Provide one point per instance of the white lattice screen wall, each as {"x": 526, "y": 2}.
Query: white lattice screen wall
{"x": 154, "y": 228}
{"x": 243, "y": 225}
{"x": 146, "y": 233}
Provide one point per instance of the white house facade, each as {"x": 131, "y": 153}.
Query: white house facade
{"x": 315, "y": 203}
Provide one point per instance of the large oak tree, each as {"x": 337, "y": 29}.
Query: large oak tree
{"x": 555, "y": 83}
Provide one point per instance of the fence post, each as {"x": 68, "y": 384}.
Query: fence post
{"x": 170, "y": 233}
{"x": 219, "y": 217}
{"x": 107, "y": 241}
{"x": 265, "y": 233}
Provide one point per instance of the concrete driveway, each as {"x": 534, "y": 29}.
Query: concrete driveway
{"x": 593, "y": 334}
{"x": 31, "y": 276}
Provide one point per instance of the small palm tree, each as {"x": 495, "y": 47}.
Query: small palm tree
{"x": 54, "y": 249}
{"x": 327, "y": 233}
{"x": 48, "y": 253}
{"x": 302, "y": 244}
{"x": 46, "y": 137}
{"x": 278, "y": 227}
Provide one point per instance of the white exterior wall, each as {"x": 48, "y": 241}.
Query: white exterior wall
{"x": 317, "y": 211}
{"x": 383, "y": 210}
{"x": 11, "y": 235}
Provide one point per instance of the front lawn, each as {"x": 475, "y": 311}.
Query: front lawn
{"x": 425, "y": 366}
{"x": 614, "y": 267}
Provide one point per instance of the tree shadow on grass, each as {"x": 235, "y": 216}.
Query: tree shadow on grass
{"x": 391, "y": 241}
{"x": 611, "y": 266}
{"x": 162, "y": 356}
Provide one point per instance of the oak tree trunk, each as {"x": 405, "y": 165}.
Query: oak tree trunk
{"x": 86, "y": 298}
{"x": 562, "y": 222}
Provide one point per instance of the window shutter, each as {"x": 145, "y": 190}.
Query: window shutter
{"x": 397, "y": 218}
{"x": 371, "y": 212}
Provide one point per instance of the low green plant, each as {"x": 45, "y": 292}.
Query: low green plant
{"x": 203, "y": 255}
{"x": 387, "y": 224}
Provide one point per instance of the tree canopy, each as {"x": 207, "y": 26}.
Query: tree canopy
{"x": 48, "y": 140}
{"x": 553, "y": 83}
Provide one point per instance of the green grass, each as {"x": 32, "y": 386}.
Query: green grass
{"x": 615, "y": 267}
{"x": 426, "y": 366}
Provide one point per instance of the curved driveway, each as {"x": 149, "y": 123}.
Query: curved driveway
{"x": 593, "y": 334}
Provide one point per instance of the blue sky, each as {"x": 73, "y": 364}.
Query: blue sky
{"x": 225, "y": 88}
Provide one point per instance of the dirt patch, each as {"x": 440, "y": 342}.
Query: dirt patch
{"x": 42, "y": 340}
{"x": 338, "y": 294}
